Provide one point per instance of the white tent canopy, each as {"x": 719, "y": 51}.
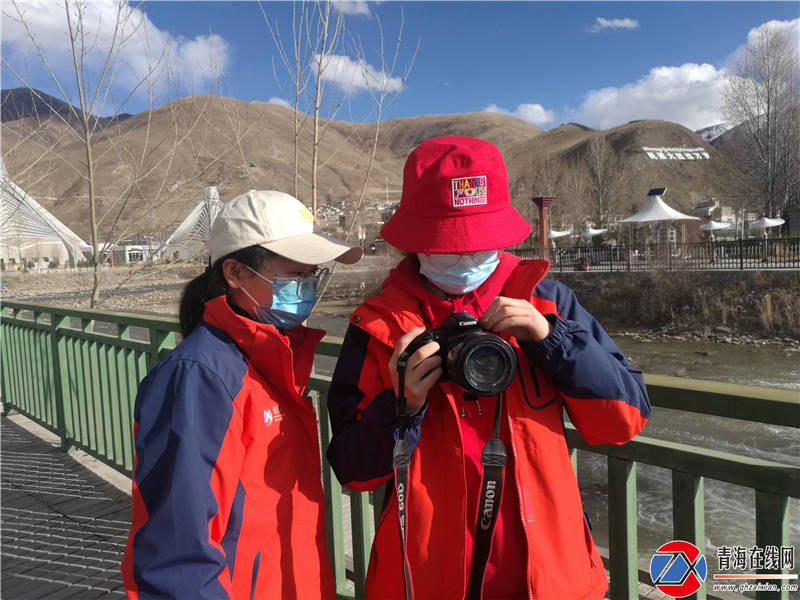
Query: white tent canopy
{"x": 658, "y": 210}
{"x": 190, "y": 238}
{"x": 714, "y": 226}
{"x": 589, "y": 232}
{"x": 28, "y": 229}
{"x": 554, "y": 235}
{"x": 764, "y": 222}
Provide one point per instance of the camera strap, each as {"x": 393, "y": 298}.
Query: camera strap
{"x": 401, "y": 460}
{"x": 493, "y": 460}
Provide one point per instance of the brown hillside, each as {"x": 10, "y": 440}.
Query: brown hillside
{"x": 152, "y": 168}
{"x": 689, "y": 182}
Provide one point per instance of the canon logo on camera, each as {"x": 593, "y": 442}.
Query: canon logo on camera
{"x": 463, "y": 323}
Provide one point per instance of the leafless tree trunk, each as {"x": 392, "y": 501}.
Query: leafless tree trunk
{"x": 763, "y": 100}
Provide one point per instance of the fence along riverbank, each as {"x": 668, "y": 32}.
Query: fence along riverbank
{"x": 63, "y": 374}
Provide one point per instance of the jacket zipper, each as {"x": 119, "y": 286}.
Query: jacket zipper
{"x": 528, "y": 586}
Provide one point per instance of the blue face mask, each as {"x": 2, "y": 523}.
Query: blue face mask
{"x": 458, "y": 274}
{"x": 292, "y": 301}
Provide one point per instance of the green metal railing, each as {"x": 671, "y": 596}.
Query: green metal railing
{"x": 76, "y": 372}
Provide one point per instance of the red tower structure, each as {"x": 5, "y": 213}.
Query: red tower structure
{"x": 543, "y": 203}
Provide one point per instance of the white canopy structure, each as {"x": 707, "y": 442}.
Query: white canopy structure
{"x": 714, "y": 226}
{"x": 29, "y": 233}
{"x": 190, "y": 239}
{"x": 589, "y": 233}
{"x": 658, "y": 210}
{"x": 554, "y": 235}
{"x": 764, "y": 223}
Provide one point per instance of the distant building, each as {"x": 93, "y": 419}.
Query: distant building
{"x": 30, "y": 236}
{"x": 189, "y": 241}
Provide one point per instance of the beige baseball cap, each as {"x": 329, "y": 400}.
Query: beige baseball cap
{"x": 278, "y": 222}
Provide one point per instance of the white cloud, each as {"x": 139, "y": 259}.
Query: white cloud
{"x": 353, "y": 7}
{"x": 278, "y": 101}
{"x": 600, "y": 24}
{"x": 790, "y": 28}
{"x": 689, "y": 94}
{"x": 532, "y": 113}
{"x": 141, "y": 47}
{"x": 354, "y": 75}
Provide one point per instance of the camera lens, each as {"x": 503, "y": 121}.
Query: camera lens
{"x": 486, "y": 364}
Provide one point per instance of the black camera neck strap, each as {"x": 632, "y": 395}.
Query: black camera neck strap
{"x": 401, "y": 460}
{"x": 493, "y": 461}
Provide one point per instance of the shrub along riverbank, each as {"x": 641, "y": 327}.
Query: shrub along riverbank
{"x": 727, "y": 306}
{"x": 713, "y": 304}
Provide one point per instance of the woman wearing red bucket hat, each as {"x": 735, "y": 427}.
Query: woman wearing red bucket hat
{"x": 484, "y": 501}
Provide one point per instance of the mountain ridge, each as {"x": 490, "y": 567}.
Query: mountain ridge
{"x": 238, "y": 145}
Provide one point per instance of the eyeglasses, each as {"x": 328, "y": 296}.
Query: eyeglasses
{"x": 449, "y": 260}
{"x": 304, "y": 283}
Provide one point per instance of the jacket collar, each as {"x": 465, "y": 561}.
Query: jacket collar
{"x": 405, "y": 303}
{"x": 284, "y": 360}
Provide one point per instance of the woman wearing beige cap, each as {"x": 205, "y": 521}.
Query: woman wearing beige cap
{"x": 227, "y": 498}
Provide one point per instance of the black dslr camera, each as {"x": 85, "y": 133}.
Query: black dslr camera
{"x": 481, "y": 362}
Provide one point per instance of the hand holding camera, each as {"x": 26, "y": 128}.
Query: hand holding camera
{"x": 518, "y": 318}
{"x": 479, "y": 361}
{"x": 423, "y": 368}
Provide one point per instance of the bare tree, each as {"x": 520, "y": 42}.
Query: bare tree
{"x": 320, "y": 41}
{"x": 573, "y": 207}
{"x": 601, "y": 169}
{"x": 763, "y": 100}
{"x": 317, "y": 31}
{"x": 545, "y": 176}
{"x": 380, "y": 91}
{"x": 121, "y": 169}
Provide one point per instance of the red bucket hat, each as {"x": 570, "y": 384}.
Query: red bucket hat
{"x": 455, "y": 199}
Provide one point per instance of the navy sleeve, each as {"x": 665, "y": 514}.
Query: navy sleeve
{"x": 587, "y": 365}
{"x": 364, "y": 432}
{"x": 182, "y": 411}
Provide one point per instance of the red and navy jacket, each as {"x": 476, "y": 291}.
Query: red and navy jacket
{"x": 227, "y": 497}
{"x": 577, "y": 368}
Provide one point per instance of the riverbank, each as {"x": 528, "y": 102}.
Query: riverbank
{"x": 761, "y": 307}
{"x": 742, "y": 308}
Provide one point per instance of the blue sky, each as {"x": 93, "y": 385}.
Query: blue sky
{"x": 598, "y": 63}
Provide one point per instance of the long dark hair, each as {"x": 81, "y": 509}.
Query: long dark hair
{"x": 211, "y": 283}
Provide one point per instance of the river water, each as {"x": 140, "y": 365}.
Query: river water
{"x": 729, "y": 509}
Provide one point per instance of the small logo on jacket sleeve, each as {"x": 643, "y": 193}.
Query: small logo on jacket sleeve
{"x": 273, "y": 414}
